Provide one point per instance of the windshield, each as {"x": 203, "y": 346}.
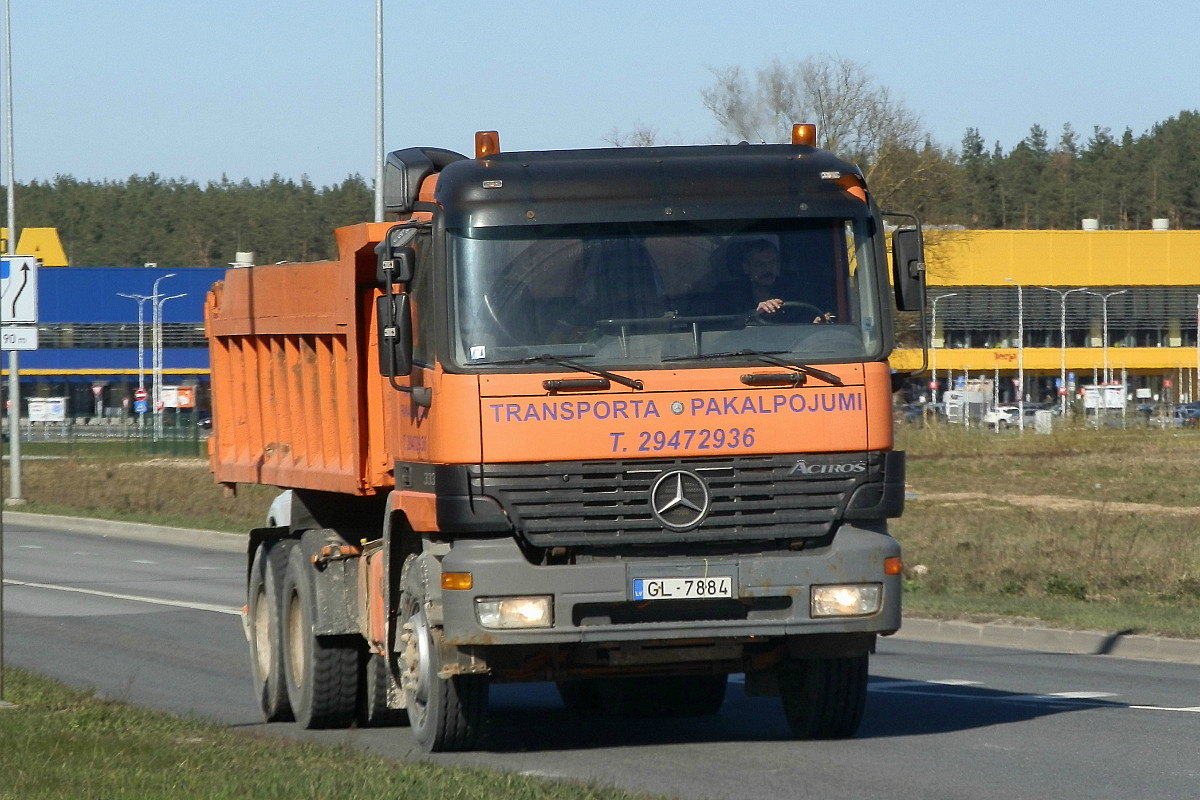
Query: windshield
{"x": 648, "y": 294}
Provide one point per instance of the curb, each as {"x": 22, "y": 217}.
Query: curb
{"x": 138, "y": 531}
{"x": 1122, "y": 644}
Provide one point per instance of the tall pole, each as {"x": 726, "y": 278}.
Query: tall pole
{"x": 1062, "y": 342}
{"x": 1104, "y": 311}
{"x": 14, "y": 438}
{"x": 933, "y": 338}
{"x": 140, "y": 298}
{"x": 15, "y": 494}
{"x": 1107, "y": 376}
{"x": 158, "y": 350}
{"x": 379, "y": 110}
{"x": 1020, "y": 355}
{"x": 156, "y": 346}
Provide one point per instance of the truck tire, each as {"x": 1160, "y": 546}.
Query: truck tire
{"x": 264, "y": 618}
{"x": 373, "y": 709}
{"x": 446, "y": 714}
{"x": 824, "y": 698}
{"x": 321, "y": 671}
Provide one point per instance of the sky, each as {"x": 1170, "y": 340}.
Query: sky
{"x": 201, "y": 90}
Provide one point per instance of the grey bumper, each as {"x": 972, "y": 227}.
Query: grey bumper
{"x": 593, "y": 601}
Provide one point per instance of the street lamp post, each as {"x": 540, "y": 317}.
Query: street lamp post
{"x": 933, "y": 334}
{"x": 156, "y": 351}
{"x": 1020, "y": 355}
{"x": 1104, "y": 311}
{"x": 158, "y": 360}
{"x": 140, "y": 298}
{"x": 1062, "y": 340}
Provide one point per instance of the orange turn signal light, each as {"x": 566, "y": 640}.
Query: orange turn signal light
{"x": 804, "y": 133}
{"x": 487, "y": 143}
{"x": 893, "y": 566}
{"x": 460, "y": 581}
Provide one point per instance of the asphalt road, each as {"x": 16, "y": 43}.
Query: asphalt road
{"x": 156, "y": 624}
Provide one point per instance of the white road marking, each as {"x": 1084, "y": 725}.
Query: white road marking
{"x": 1093, "y": 699}
{"x": 1192, "y": 710}
{"x": 142, "y": 561}
{"x": 159, "y": 601}
{"x": 32, "y": 547}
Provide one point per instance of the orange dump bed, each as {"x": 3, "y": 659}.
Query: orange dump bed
{"x": 296, "y": 400}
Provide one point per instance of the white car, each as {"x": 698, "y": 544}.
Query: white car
{"x": 1002, "y": 416}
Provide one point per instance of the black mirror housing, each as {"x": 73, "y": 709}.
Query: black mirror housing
{"x": 394, "y": 318}
{"x": 396, "y": 255}
{"x": 908, "y": 268}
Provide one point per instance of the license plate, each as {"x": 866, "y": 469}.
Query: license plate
{"x": 682, "y": 588}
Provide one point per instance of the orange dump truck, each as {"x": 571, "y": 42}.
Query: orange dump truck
{"x": 617, "y": 418}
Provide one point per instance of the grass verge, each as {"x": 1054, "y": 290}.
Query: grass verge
{"x": 1083, "y": 528}
{"x": 63, "y": 744}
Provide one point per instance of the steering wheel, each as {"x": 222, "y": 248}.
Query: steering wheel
{"x": 789, "y": 312}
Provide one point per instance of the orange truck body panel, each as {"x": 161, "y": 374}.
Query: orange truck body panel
{"x": 299, "y": 401}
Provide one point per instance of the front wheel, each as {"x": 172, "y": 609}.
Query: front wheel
{"x": 446, "y": 714}
{"x": 824, "y": 698}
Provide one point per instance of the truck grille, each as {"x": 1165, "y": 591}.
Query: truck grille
{"x": 609, "y": 502}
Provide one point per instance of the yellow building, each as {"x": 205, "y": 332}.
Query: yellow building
{"x": 1129, "y": 302}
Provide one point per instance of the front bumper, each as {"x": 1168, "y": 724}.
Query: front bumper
{"x": 593, "y": 601}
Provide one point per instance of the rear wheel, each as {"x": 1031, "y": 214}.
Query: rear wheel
{"x": 446, "y": 714}
{"x": 824, "y": 698}
{"x": 322, "y": 671}
{"x": 264, "y": 625}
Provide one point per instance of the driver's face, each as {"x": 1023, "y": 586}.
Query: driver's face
{"x": 762, "y": 267}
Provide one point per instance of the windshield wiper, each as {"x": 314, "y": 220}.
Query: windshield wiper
{"x": 768, "y": 357}
{"x": 547, "y": 358}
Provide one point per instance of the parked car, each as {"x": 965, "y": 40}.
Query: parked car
{"x": 1187, "y": 416}
{"x": 1002, "y": 416}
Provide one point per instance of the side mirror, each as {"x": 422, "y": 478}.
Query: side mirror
{"x": 396, "y": 255}
{"x": 908, "y": 268}
{"x": 394, "y": 317}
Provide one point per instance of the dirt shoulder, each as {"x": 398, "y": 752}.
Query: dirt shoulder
{"x": 1055, "y": 503}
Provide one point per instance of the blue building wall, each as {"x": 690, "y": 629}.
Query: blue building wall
{"x": 91, "y": 295}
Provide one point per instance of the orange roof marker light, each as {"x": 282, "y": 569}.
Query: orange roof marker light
{"x": 487, "y": 143}
{"x": 804, "y": 133}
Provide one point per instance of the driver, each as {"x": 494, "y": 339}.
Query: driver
{"x": 763, "y": 289}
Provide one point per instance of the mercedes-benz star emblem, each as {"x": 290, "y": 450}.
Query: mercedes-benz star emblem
{"x": 679, "y": 499}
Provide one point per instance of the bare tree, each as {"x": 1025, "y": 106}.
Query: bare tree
{"x": 642, "y": 135}
{"x": 855, "y": 116}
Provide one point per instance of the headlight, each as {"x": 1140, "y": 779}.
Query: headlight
{"x": 847, "y": 600}
{"x": 515, "y": 612}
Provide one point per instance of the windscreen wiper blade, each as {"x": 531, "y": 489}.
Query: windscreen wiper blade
{"x": 769, "y": 357}
{"x": 547, "y": 358}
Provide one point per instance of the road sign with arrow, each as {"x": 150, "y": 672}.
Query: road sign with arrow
{"x": 18, "y": 302}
